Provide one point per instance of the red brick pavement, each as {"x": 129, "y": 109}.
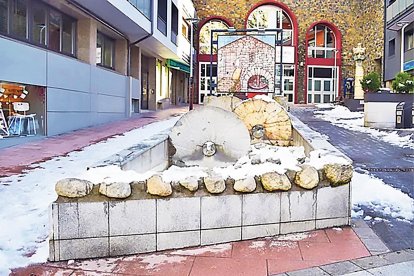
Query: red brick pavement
{"x": 267, "y": 256}
{"x": 15, "y": 159}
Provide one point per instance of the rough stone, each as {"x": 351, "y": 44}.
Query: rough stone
{"x": 273, "y": 181}
{"x": 307, "y": 178}
{"x": 156, "y": 186}
{"x": 338, "y": 174}
{"x": 73, "y": 187}
{"x": 190, "y": 183}
{"x": 224, "y": 102}
{"x": 115, "y": 190}
{"x": 214, "y": 184}
{"x": 246, "y": 185}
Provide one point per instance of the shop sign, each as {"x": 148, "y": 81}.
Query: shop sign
{"x": 178, "y": 65}
{"x": 409, "y": 65}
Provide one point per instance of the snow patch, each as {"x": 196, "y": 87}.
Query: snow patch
{"x": 294, "y": 237}
{"x": 257, "y": 244}
{"x": 219, "y": 248}
{"x": 283, "y": 244}
{"x": 264, "y": 98}
{"x": 154, "y": 261}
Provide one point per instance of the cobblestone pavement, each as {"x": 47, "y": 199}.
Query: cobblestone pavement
{"x": 393, "y": 164}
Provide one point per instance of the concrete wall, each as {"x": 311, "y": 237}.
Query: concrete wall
{"x": 379, "y": 114}
{"x": 78, "y": 94}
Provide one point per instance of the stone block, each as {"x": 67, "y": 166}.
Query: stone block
{"x": 314, "y": 271}
{"x": 333, "y": 202}
{"x": 259, "y": 231}
{"x": 178, "y": 240}
{"x": 133, "y": 244}
{"x": 132, "y": 217}
{"x": 326, "y": 223}
{"x": 93, "y": 219}
{"x": 68, "y": 221}
{"x": 214, "y": 236}
{"x": 299, "y": 226}
{"x": 298, "y": 206}
{"x": 263, "y": 208}
{"x": 53, "y": 251}
{"x": 83, "y": 248}
{"x": 340, "y": 268}
{"x": 178, "y": 214}
{"x": 54, "y": 221}
{"x": 371, "y": 262}
{"x": 221, "y": 211}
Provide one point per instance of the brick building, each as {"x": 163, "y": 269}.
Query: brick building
{"x": 319, "y": 36}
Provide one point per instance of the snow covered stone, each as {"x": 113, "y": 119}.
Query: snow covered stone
{"x": 190, "y": 183}
{"x": 215, "y": 184}
{"x": 73, "y": 187}
{"x": 156, "y": 186}
{"x": 115, "y": 190}
{"x": 246, "y": 185}
{"x": 272, "y": 181}
{"x": 338, "y": 174}
{"x": 307, "y": 178}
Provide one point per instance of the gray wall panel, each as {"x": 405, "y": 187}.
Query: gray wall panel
{"x": 68, "y": 73}
{"x": 110, "y": 104}
{"x": 108, "y": 117}
{"x": 22, "y": 63}
{"x": 108, "y": 82}
{"x": 61, "y": 122}
{"x": 68, "y": 100}
{"x": 135, "y": 89}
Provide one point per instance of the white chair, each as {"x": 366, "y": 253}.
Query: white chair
{"x": 17, "y": 121}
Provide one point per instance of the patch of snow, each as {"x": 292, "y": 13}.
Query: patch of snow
{"x": 357, "y": 214}
{"x": 325, "y": 105}
{"x": 264, "y": 98}
{"x": 372, "y": 192}
{"x": 257, "y": 244}
{"x": 343, "y": 117}
{"x": 319, "y": 158}
{"x": 283, "y": 244}
{"x": 293, "y": 237}
{"x": 367, "y": 218}
{"x": 113, "y": 173}
{"x": 218, "y": 248}
{"x": 175, "y": 173}
{"x": 24, "y": 220}
{"x": 337, "y": 229}
{"x": 154, "y": 261}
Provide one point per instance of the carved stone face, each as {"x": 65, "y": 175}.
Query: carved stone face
{"x": 209, "y": 149}
{"x": 258, "y": 131}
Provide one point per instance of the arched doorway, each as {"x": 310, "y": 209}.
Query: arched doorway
{"x": 323, "y": 63}
{"x": 204, "y": 45}
{"x": 275, "y": 15}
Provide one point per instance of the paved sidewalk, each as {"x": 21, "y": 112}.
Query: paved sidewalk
{"x": 15, "y": 159}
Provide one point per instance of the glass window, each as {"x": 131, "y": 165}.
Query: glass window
{"x": 67, "y": 35}
{"x": 391, "y": 47}
{"x": 288, "y": 85}
{"x": 309, "y": 98}
{"x": 309, "y": 84}
{"x": 326, "y": 85}
{"x": 289, "y": 71}
{"x": 144, "y": 6}
{"x": 317, "y": 98}
{"x": 317, "y": 85}
{"x": 19, "y": 18}
{"x": 55, "y": 22}
{"x": 4, "y": 17}
{"x": 320, "y": 72}
{"x": 39, "y": 24}
{"x": 326, "y": 98}
{"x": 105, "y": 51}
{"x": 409, "y": 40}
{"x": 321, "y": 42}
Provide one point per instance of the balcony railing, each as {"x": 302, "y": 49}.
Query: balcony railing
{"x": 397, "y": 7}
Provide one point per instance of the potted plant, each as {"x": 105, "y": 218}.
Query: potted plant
{"x": 403, "y": 83}
{"x": 371, "y": 82}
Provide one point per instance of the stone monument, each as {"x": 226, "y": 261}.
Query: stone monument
{"x": 359, "y": 56}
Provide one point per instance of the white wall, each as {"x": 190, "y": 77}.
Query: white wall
{"x": 379, "y": 114}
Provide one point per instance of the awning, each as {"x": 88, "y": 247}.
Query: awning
{"x": 178, "y": 65}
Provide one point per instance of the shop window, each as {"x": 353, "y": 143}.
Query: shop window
{"x": 105, "y": 51}
{"x": 391, "y": 47}
{"x": 37, "y": 23}
{"x": 321, "y": 42}
{"x": 204, "y": 35}
{"x": 19, "y": 18}
{"x": 4, "y": 15}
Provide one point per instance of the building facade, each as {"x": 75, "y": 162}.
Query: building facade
{"x": 318, "y": 39}
{"x": 78, "y": 63}
{"x": 399, "y": 39}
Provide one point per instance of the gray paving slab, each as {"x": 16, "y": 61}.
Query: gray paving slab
{"x": 340, "y": 268}
{"x": 371, "y": 262}
{"x": 359, "y": 273}
{"x": 399, "y": 269}
{"x": 399, "y": 256}
{"x": 314, "y": 271}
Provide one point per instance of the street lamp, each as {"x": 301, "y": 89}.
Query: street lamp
{"x": 402, "y": 24}
{"x": 190, "y": 80}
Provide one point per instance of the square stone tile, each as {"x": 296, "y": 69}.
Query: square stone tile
{"x": 84, "y": 248}
{"x": 327, "y": 223}
{"x": 276, "y": 266}
{"x": 260, "y": 231}
{"x": 131, "y": 217}
{"x": 295, "y": 227}
{"x": 178, "y": 240}
{"x": 342, "y": 234}
{"x": 178, "y": 214}
{"x": 298, "y": 206}
{"x": 313, "y": 271}
{"x": 399, "y": 256}
{"x": 405, "y": 268}
{"x": 375, "y": 246}
{"x": 68, "y": 225}
{"x": 261, "y": 208}
{"x": 221, "y": 211}
{"x": 133, "y": 244}
{"x": 333, "y": 202}
{"x": 340, "y": 268}
{"x": 266, "y": 249}
{"x": 371, "y": 262}
{"x": 214, "y": 236}
{"x": 228, "y": 267}
{"x": 93, "y": 219}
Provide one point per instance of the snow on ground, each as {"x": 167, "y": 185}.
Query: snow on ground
{"x": 343, "y": 117}
{"x": 372, "y": 192}
{"x": 25, "y": 198}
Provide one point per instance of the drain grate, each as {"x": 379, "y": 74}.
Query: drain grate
{"x": 390, "y": 169}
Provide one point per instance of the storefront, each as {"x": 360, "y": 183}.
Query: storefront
{"x": 22, "y": 110}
